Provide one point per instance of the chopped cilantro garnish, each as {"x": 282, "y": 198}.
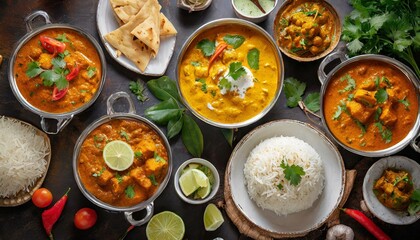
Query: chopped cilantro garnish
{"x": 129, "y": 191}
{"x": 292, "y": 173}
{"x": 153, "y": 179}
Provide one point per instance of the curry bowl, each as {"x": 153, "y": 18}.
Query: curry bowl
{"x": 59, "y": 77}
{"x": 374, "y": 173}
{"x": 102, "y": 167}
{"x": 229, "y": 73}
{"x": 370, "y": 104}
{"x": 307, "y": 30}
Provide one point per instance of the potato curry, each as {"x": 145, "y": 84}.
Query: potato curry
{"x": 58, "y": 70}
{"x": 370, "y": 105}
{"x": 394, "y": 189}
{"x": 306, "y": 28}
{"x": 229, "y": 74}
{"x": 137, "y": 183}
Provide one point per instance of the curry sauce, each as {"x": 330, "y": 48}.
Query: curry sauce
{"x": 134, "y": 185}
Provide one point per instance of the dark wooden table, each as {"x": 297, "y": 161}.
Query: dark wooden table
{"x": 24, "y": 222}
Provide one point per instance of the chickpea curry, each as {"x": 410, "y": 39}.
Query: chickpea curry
{"x": 370, "y": 105}
{"x": 306, "y": 28}
{"x": 394, "y": 189}
{"x": 229, "y": 74}
{"x": 58, "y": 70}
{"x": 133, "y": 185}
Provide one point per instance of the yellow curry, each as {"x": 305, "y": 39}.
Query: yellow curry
{"x": 58, "y": 70}
{"x": 370, "y": 105}
{"x": 229, "y": 74}
{"x": 137, "y": 183}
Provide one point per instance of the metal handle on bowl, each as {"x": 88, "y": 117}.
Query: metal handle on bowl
{"x": 61, "y": 123}
{"x": 322, "y": 76}
{"x": 414, "y": 145}
{"x": 29, "y": 19}
{"x": 114, "y": 97}
{"x": 132, "y": 221}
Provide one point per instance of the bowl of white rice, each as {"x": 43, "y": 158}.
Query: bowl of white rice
{"x": 286, "y": 177}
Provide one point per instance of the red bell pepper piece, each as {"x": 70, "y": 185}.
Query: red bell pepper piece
{"x": 50, "y": 216}
{"x": 58, "y": 94}
{"x": 51, "y": 45}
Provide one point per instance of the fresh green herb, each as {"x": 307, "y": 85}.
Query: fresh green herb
{"x": 207, "y": 47}
{"x": 381, "y": 95}
{"x": 174, "y": 127}
{"x": 361, "y": 126}
{"x": 64, "y": 54}
{"x": 378, "y": 113}
{"x": 213, "y": 93}
{"x": 83, "y": 91}
{"x": 228, "y": 134}
{"x": 414, "y": 206}
{"x": 284, "y": 22}
{"x": 153, "y": 179}
{"x": 377, "y": 82}
{"x": 196, "y": 64}
{"x": 350, "y": 97}
{"x": 293, "y": 90}
{"x": 384, "y": 27}
{"x": 58, "y": 62}
{"x": 137, "y": 88}
{"x": 312, "y": 101}
{"x": 138, "y": 154}
{"x": 91, "y": 71}
{"x": 351, "y": 83}
{"x": 253, "y": 58}
{"x": 33, "y": 69}
{"x": 96, "y": 140}
{"x": 404, "y": 102}
{"x": 62, "y": 38}
{"x": 224, "y": 83}
{"x": 158, "y": 158}
{"x": 163, "y": 112}
{"x": 312, "y": 13}
{"x": 279, "y": 186}
{"x": 129, "y": 191}
{"x": 203, "y": 84}
{"x": 192, "y": 137}
{"x": 303, "y": 42}
{"x": 340, "y": 108}
{"x": 399, "y": 179}
{"x": 124, "y": 134}
{"x": 386, "y": 134}
{"x": 118, "y": 177}
{"x": 236, "y": 70}
{"x": 164, "y": 88}
{"x": 386, "y": 81}
{"x": 296, "y": 49}
{"x": 292, "y": 173}
{"x": 234, "y": 40}
{"x": 31, "y": 94}
{"x": 98, "y": 174}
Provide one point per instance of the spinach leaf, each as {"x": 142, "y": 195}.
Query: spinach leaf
{"x": 253, "y": 58}
{"x": 175, "y": 126}
{"x": 312, "y": 101}
{"x": 163, "y": 88}
{"x": 192, "y": 137}
{"x": 228, "y": 134}
{"x": 293, "y": 90}
{"x": 234, "y": 40}
{"x": 207, "y": 47}
{"x": 162, "y": 112}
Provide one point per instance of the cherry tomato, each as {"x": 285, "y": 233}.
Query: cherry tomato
{"x": 51, "y": 45}
{"x": 58, "y": 94}
{"x": 42, "y": 197}
{"x": 85, "y": 218}
{"x": 73, "y": 73}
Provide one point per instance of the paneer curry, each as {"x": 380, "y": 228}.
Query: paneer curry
{"x": 370, "y": 105}
{"x": 306, "y": 28}
{"x": 133, "y": 185}
{"x": 58, "y": 70}
{"x": 229, "y": 74}
{"x": 394, "y": 189}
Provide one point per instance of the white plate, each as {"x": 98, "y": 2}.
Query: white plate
{"x": 374, "y": 173}
{"x": 301, "y": 222}
{"x": 107, "y": 23}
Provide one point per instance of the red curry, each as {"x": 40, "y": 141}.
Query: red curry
{"x": 140, "y": 180}
{"x": 58, "y": 70}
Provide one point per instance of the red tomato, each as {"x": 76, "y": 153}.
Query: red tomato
{"x": 73, "y": 73}
{"x": 42, "y": 197}
{"x": 58, "y": 94}
{"x": 85, "y": 218}
{"x": 51, "y": 45}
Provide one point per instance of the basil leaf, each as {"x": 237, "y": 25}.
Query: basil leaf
{"x": 192, "y": 137}
{"x": 162, "y": 112}
{"x": 33, "y": 69}
{"x": 163, "y": 88}
{"x": 228, "y": 134}
{"x": 312, "y": 101}
{"x": 207, "y": 47}
{"x": 254, "y": 58}
{"x": 234, "y": 40}
{"x": 175, "y": 126}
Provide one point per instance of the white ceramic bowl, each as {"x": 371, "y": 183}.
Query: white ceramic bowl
{"x": 374, "y": 173}
{"x": 214, "y": 188}
{"x": 253, "y": 19}
{"x": 302, "y": 222}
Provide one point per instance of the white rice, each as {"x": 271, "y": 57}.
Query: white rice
{"x": 263, "y": 174}
{"x": 22, "y": 157}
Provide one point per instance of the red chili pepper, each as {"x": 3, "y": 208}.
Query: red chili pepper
{"x": 219, "y": 50}
{"x": 73, "y": 73}
{"x": 126, "y": 232}
{"x": 51, "y": 45}
{"x": 58, "y": 94}
{"x": 367, "y": 223}
{"x": 50, "y": 216}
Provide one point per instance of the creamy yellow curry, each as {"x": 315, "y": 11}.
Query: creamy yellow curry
{"x": 140, "y": 180}
{"x": 229, "y": 74}
{"x": 370, "y": 105}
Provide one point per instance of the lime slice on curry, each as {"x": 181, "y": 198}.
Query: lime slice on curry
{"x": 118, "y": 155}
{"x": 165, "y": 225}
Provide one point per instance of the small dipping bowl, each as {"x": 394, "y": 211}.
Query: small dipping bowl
{"x": 214, "y": 188}
{"x": 259, "y": 16}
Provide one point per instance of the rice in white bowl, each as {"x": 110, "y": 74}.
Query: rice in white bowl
{"x": 263, "y": 174}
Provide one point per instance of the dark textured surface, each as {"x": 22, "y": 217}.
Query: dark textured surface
{"x": 24, "y": 222}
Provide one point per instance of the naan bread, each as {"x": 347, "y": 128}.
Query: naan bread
{"x": 166, "y": 27}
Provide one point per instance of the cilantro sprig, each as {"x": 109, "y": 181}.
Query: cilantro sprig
{"x": 294, "y": 90}
{"x": 138, "y": 89}
{"x": 293, "y": 173}
{"x": 236, "y": 70}
{"x": 56, "y": 75}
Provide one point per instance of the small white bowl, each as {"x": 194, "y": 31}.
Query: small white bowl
{"x": 374, "y": 173}
{"x": 214, "y": 188}
{"x": 254, "y": 19}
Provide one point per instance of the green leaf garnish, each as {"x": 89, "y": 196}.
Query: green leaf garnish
{"x": 138, "y": 154}
{"x": 203, "y": 84}
{"x": 228, "y": 134}
{"x": 33, "y": 69}
{"x": 224, "y": 83}
{"x": 175, "y": 127}
{"x": 279, "y": 186}
{"x": 234, "y": 40}
{"x": 292, "y": 173}
{"x": 196, "y": 64}
{"x": 158, "y": 158}
{"x": 236, "y": 70}
{"x": 386, "y": 134}
{"x": 91, "y": 71}
{"x": 293, "y": 90}
{"x": 62, "y": 38}
{"x": 351, "y": 83}
{"x": 118, "y": 177}
{"x": 312, "y": 101}
{"x": 381, "y": 95}
{"x": 207, "y": 47}
{"x": 129, "y": 191}
{"x": 164, "y": 111}
{"x": 253, "y": 58}
{"x": 98, "y": 174}
{"x": 153, "y": 179}
{"x": 192, "y": 137}
{"x": 404, "y": 102}
{"x": 124, "y": 134}
{"x": 137, "y": 88}
{"x": 414, "y": 206}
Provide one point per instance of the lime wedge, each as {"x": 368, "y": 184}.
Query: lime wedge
{"x": 187, "y": 183}
{"x": 118, "y": 155}
{"x": 165, "y": 226}
{"x": 203, "y": 192}
{"x": 212, "y": 218}
{"x": 200, "y": 178}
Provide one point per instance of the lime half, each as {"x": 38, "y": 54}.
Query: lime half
{"x": 165, "y": 226}
{"x": 118, "y": 155}
{"x": 212, "y": 218}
